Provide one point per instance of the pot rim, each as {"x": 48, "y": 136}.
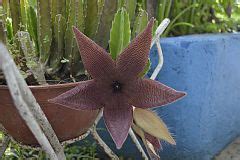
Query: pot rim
{"x": 71, "y": 84}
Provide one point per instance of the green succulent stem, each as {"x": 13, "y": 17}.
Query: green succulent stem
{"x": 120, "y": 33}
{"x": 44, "y": 30}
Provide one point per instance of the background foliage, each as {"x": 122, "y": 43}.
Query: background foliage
{"x": 85, "y": 151}
{"x": 39, "y": 32}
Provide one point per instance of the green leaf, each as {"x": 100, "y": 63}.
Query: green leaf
{"x": 32, "y": 26}
{"x": 120, "y": 33}
{"x": 177, "y": 17}
{"x": 183, "y": 24}
{"x": 9, "y": 30}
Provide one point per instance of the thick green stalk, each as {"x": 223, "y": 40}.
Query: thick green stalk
{"x": 58, "y": 7}
{"x": 5, "y": 4}
{"x": 91, "y": 18}
{"x": 58, "y": 10}
{"x": 80, "y": 23}
{"x": 130, "y": 6}
{"x": 59, "y": 27}
{"x": 75, "y": 18}
{"x": 143, "y": 4}
{"x": 77, "y": 67}
{"x": 44, "y": 29}
{"x": 23, "y": 9}
{"x": 103, "y": 34}
{"x": 69, "y": 37}
{"x": 14, "y": 6}
{"x": 31, "y": 57}
{"x": 151, "y": 8}
{"x": 140, "y": 22}
{"x": 120, "y": 34}
{"x": 100, "y": 12}
{"x": 15, "y": 15}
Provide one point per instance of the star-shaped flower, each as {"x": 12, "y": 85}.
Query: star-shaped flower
{"x": 115, "y": 85}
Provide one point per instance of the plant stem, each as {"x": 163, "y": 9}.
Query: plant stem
{"x": 137, "y": 143}
{"x": 160, "y": 63}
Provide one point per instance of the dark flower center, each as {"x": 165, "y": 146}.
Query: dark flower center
{"x": 116, "y": 86}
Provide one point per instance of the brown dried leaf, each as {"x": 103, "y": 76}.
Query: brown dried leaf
{"x": 152, "y": 124}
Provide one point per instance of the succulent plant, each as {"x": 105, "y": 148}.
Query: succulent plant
{"x": 42, "y": 42}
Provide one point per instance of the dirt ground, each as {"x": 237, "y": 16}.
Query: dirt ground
{"x": 231, "y": 152}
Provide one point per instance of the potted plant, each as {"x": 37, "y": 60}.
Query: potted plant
{"x": 34, "y": 35}
{"x": 43, "y": 46}
{"x": 59, "y": 58}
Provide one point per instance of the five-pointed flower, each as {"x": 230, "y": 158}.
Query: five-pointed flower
{"x": 115, "y": 85}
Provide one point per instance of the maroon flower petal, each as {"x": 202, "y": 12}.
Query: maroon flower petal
{"x": 85, "y": 96}
{"x": 96, "y": 60}
{"x": 134, "y": 58}
{"x": 148, "y": 93}
{"x": 154, "y": 141}
{"x": 118, "y": 120}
